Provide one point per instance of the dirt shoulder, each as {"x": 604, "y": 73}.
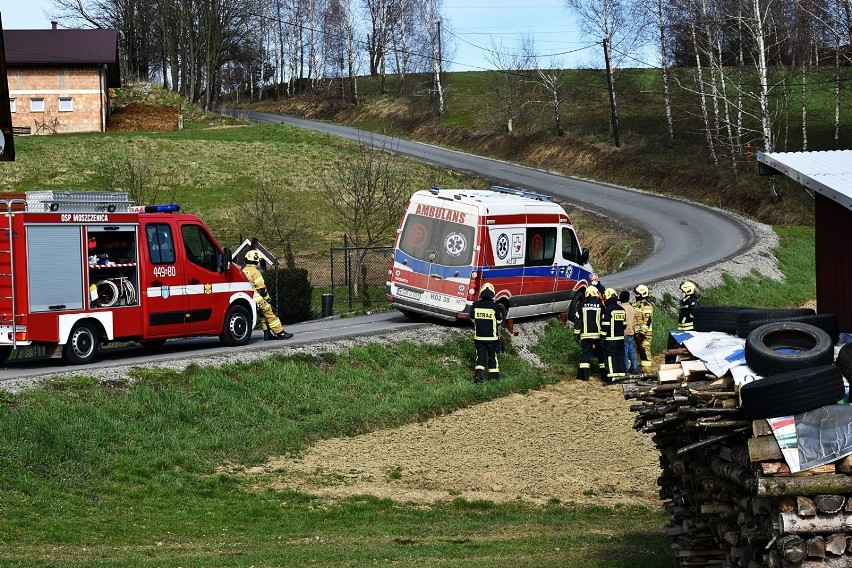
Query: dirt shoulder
{"x": 572, "y": 441}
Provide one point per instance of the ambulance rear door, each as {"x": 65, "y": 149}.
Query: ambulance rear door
{"x": 435, "y": 255}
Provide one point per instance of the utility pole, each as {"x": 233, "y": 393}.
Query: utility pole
{"x": 612, "y": 105}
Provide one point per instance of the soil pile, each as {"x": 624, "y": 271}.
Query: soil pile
{"x": 141, "y": 116}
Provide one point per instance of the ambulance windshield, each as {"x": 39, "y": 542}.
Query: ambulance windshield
{"x": 437, "y": 241}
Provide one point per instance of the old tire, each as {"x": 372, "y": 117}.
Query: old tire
{"x": 792, "y": 392}
{"x": 745, "y": 317}
{"x": 83, "y": 343}
{"x": 779, "y": 347}
{"x": 826, "y": 322}
{"x": 237, "y": 327}
{"x": 717, "y": 318}
{"x": 844, "y": 360}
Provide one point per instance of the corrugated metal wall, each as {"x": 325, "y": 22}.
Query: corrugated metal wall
{"x": 833, "y": 252}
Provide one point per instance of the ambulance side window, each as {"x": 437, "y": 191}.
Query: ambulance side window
{"x": 570, "y": 246}
{"x": 161, "y": 245}
{"x": 200, "y": 249}
{"x": 541, "y": 246}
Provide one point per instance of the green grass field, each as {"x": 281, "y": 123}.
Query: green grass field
{"x": 125, "y": 474}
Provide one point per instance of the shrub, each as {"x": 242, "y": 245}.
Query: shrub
{"x": 291, "y": 292}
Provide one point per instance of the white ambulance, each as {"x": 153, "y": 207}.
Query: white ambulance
{"x": 451, "y": 241}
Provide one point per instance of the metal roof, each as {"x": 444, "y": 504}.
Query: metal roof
{"x": 828, "y": 172}
{"x": 84, "y": 47}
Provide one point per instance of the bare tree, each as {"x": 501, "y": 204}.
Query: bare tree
{"x": 367, "y": 196}
{"x": 268, "y": 215}
{"x": 510, "y": 89}
{"x": 612, "y": 24}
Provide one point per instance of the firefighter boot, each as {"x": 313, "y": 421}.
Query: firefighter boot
{"x": 267, "y": 335}
{"x": 282, "y": 335}
{"x": 493, "y": 376}
{"x": 479, "y": 376}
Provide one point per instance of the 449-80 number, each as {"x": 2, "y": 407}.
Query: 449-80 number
{"x": 164, "y": 271}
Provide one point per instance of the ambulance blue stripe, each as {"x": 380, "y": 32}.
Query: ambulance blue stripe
{"x": 422, "y": 267}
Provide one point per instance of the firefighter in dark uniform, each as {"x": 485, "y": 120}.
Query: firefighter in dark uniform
{"x": 487, "y": 317}
{"x": 644, "y": 329}
{"x": 686, "y": 318}
{"x": 587, "y": 330}
{"x": 612, "y": 333}
{"x": 269, "y": 322}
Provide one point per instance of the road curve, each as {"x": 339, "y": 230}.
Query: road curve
{"x": 687, "y": 237}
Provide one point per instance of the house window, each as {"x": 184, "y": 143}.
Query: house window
{"x": 36, "y": 105}
{"x": 66, "y": 104}
{"x": 12, "y": 105}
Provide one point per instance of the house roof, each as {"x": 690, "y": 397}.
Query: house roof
{"x": 63, "y": 47}
{"x": 828, "y": 172}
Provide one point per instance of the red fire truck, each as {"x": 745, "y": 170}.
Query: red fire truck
{"x": 79, "y": 269}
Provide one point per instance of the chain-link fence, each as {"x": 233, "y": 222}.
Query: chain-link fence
{"x": 350, "y": 279}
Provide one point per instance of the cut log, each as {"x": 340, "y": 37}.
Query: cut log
{"x": 810, "y": 485}
{"x": 805, "y": 506}
{"x": 816, "y": 547}
{"x": 761, "y": 428}
{"x": 836, "y": 543}
{"x": 829, "y": 503}
{"x": 844, "y": 465}
{"x": 764, "y": 448}
{"x": 774, "y": 468}
{"x": 792, "y": 548}
{"x": 787, "y": 504}
{"x": 822, "y": 524}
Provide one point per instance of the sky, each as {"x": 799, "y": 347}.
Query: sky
{"x": 472, "y": 25}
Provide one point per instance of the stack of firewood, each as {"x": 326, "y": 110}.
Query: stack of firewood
{"x": 726, "y": 485}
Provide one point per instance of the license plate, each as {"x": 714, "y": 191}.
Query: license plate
{"x": 410, "y": 294}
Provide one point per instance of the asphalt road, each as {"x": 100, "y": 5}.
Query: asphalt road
{"x": 687, "y": 238}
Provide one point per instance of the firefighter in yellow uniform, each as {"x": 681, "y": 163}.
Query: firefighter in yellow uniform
{"x": 487, "y": 317}
{"x": 269, "y": 322}
{"x": 644, "y": 328}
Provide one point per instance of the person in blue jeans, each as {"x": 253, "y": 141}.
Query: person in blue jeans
{"x": 631, "y": 361}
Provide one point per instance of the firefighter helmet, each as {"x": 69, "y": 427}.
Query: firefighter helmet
{"x": 688, "y": 287}
{"x": 489, "y": 288}
{"x": 253, "y": 256}
{"x": 641, "y": 291}
{"x": 591, "y": 292}
{"x": 610, "y": 294}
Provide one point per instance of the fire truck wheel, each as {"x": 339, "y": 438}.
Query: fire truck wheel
{"x": 4, "y": 353}
{"x": 82, "y": 346}
{"x": 237, "y": 330}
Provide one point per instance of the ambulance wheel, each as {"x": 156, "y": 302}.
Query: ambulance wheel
{"x": 82, "y": 346}
{"x": 237, "y": 330}
{"x": 4, "y": 353}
